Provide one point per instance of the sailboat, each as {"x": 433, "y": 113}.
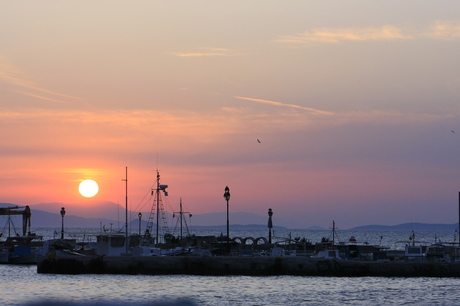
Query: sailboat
{"x": 163, "y": 242}
{"x": 157, "y": 210}
{"x": 154, "y": 242}
{"x": 181, "y": 221}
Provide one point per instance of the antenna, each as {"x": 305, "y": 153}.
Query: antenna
{"x": 126, "y": 213}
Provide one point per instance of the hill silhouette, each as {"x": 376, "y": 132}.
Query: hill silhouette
{"x": 110, "y": 214}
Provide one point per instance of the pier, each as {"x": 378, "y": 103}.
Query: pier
{"x": 241, "y": 265}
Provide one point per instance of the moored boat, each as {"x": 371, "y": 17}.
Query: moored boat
{"x": 19, "y": 248}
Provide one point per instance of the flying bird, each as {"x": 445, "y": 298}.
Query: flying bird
{"x": 259, "y": 141}
{"x": 452, "y": 131}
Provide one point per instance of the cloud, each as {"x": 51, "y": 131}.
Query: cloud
{"x": 447, "y": 30}
{"x": 130, "y": 131}
{"x": 326, "y": 35}
{"x": 312, "y": 110}
{"x": 112, "y": 128}
{"x": 42, "y": 97}
{"x": 341, "y": 152}
{"x": 441, "y": 30}
{"x": 12, "y": 75}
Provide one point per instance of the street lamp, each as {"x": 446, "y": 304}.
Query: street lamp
{"x": 270, "y": 225}
{"x": 140, "y": 220}
{"x": 62, "y": 215}
{"x": 227, "y": 198}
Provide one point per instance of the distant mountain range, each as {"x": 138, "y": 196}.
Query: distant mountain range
{"x": 110, "y": 214}
{"x": 408, "y": 227}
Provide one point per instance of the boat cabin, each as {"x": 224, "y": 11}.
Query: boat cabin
{"x": 111, "y": 244}
{"x": 330, "y": 254}
{"x": 413, "y": 251}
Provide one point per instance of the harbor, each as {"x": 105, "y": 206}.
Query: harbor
{"x": 207, "y": 255}
{"x": 211, "y": 255}
{"x": 157, "y": 251}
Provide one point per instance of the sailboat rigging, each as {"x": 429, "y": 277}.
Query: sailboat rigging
{"x": 157, "y": 209}
{"x": 182, "y": 220}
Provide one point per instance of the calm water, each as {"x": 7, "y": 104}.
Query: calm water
{"x": 21, "y": 285}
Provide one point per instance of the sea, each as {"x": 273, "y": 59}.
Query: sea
{"x": 22, "y": 285}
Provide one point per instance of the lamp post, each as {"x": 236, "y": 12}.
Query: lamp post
{"x": 227, "y": 198}
{"x": 140, "y": 220}
{"x": 62, "y": 215}
{"x": 270, "y": 225}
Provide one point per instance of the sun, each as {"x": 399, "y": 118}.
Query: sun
{"x": 88, "y": 188}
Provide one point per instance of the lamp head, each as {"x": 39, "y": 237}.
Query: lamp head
{"x": 227, "y": 193}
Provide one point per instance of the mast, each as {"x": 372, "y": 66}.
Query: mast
{"x": 9, "y": 225}
{"x": 158, "y": 207}
{"x": 181, "y": 218}
{"x": 270, "y": 225}
{"x": 126, "y": 209}
{"x": 333, "y": 233}
{"x": 333, "y": 237}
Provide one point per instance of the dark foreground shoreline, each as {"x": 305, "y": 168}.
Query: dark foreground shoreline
{"x": 240, "y": 265}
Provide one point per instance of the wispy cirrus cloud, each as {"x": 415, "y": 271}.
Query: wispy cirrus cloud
{"x": 12, "y": 75}
{"x": 312, "y": 110}
{"x": 445, "y": 30}
{"x": 328, "y": 35}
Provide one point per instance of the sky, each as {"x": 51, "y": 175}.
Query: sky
{"x": 355, "y": 103}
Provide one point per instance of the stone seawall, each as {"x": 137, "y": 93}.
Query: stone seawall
{"x": 235, "y": 265}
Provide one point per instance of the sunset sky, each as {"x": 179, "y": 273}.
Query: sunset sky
{"x": 356, "y": 105}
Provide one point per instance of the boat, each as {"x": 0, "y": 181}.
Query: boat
{"x": 19, "y": 248}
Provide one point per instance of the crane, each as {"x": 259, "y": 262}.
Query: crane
{"x": 15, "y": 210}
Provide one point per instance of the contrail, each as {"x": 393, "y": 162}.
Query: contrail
{"x": 12, "y": 75}
{"x": 319, "y": 112}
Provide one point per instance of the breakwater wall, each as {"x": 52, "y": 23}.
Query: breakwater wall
{"x": 236, "y": 265}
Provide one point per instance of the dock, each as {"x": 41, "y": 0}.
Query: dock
{"x": 241, "y": 265}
